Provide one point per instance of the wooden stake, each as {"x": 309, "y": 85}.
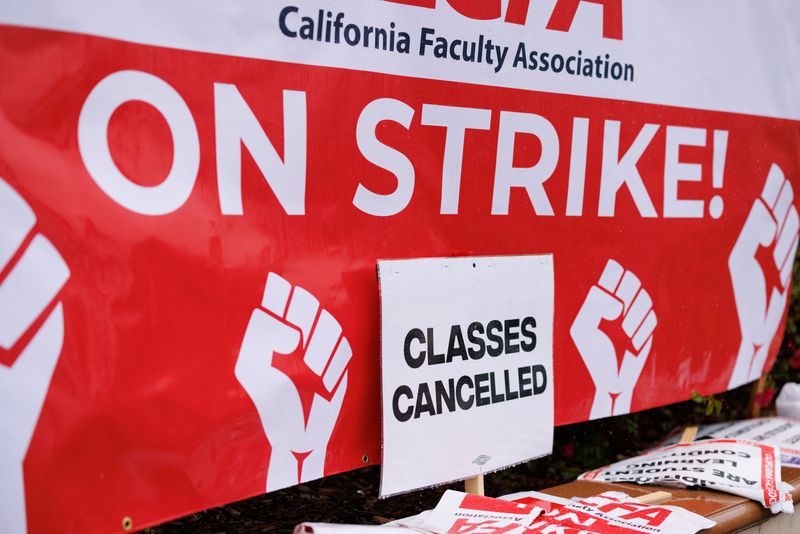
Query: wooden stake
{"x": 758, "y": 387}
{"x": 657, "y": 497}
{"x": 689, "y": 434}
{"x": 474, "y": 485}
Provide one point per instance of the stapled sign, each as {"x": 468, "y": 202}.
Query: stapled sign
{"x": 466, "y": 366}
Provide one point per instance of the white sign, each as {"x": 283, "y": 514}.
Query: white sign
{"x": 466, "y": 365}
{"x": 463, "y": 512}
{"x": 741, "y": 467}
{"x": 776, "y": 431}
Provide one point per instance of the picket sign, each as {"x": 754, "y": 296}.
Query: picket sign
{"x": 741, "y": 467}
{"x": 536, "y": 512}
{"x": 776, "y": 431}
{"x": 466, "y": 358}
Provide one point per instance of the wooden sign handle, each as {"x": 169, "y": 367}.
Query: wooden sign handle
{"x": 657, "y": 497}
{"x": 689, "y": 434}
{"x": 474, "y": 485}
{"x": 758, "y": 387}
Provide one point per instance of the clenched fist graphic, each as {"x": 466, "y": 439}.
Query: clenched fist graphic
{"x": 772, "y": 222}
{"x": 618, "y": 294}
{"x": 290, "y": 319}
{"x": 35, "y": 274}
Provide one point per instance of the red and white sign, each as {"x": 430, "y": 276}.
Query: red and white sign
{"x": 461, "y": 513}
{"x": 618, "y": 513}
{"x": 194, "y": 195}
{"x": 738, "y": 466}
{"x": 779, "y": 432}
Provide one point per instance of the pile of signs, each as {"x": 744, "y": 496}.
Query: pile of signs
{"x": 741, "y": 467}
{"x": 726, "y": 462}
{"x": 777, "y": 431}
{"x": 532, "y": 512}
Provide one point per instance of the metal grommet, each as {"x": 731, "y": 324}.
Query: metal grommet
{"x": 127, "y": 524}
{"x": 365, "y": 459}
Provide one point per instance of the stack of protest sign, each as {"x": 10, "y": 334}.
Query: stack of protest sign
{"x": 746, "y": 468}
{"x": 776, "y": 431}
{"x": 531, "y": 513}
{"x": 616, "y": 512}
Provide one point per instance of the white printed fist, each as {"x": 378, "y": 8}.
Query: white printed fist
{"x": 618, "y": 294}
{"x": 35, "y": 274}
{"x": 291, "y": 319}
{"x": 772, "y": 221}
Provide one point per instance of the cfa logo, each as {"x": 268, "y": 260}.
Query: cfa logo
{"x": 516, "y": 12}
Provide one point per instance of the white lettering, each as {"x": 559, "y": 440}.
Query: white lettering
{"x": 531, "y": 178}
{"x": 675, "y": 171}
{"x": 236, "y": 125}
{"x": 457, "y": 120}
{"x": 616, "y": 172}
{"x": 383, "y": 156}
{"x": 109, "y": 94}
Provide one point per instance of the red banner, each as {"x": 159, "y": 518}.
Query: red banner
{"x": 149, "y": 191}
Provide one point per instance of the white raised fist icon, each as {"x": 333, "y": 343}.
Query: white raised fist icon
{"x": 35, "y": 274}
{"x": 290, "y": 319}
{"x": 618, "y": 294}
{"x": 772, "y": 222}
